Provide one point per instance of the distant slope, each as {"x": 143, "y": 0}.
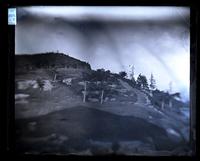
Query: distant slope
{"x": 48, "y": 60}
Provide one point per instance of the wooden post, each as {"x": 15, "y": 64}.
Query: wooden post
{"x": 102, "y": 92}
{"x": 84, "y": 92}
{"x": 162, "y": 105}
{"x": 170, "y": 103}
{"x": 54, "y": 79}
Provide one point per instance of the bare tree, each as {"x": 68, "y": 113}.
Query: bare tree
{"x": 170, "y": 87}
{"x": 152, "y": 82}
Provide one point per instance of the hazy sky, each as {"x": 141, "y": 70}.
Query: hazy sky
{"x": 153, "y": 39}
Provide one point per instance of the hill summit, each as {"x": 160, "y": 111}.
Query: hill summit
{"x": 48, "y": 60}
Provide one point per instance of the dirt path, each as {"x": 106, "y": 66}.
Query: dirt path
{"x": 142, "y": 99}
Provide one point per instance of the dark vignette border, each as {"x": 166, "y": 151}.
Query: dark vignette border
{"x": 8, "y": 137}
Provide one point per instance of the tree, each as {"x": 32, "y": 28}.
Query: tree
{"x": 123, "y": 74}
{"x": 98, "y": 75}
{"x": 139, "y": 82}
{"x": 142, "y": 82}
{"x": 101, "y": 75}
{"x": 108, "y": 72}
{"x": 152, "y": 82}
{"x": 132, "y": 74}
{"x": 177, "y": 94}
{"x": 133, "y": 81}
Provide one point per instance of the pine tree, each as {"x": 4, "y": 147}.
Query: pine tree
{"x": 142, "y": 82}
{"x": 152, "y": 82}
{"x": 139, "y": 82}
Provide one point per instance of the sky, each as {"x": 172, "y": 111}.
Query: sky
{"x": 152, "y": 39}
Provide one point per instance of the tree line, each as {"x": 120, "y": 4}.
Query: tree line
{"x": 141, "y": 81}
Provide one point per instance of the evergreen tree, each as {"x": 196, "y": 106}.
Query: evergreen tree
{"x": 152, "y": 82}
{"x": 142, "y": 82}
{"x": 139, "y": 82}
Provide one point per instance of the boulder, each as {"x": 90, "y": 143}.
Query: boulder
{"x": 112, "y": 85}
{"x": 106, "y": 99}
{"x": 22, "y": 85}
{"x": 81, "y": 83}
{"x": 93, "y": 99}
{"x": 47, "y": 85}
{"x": 113, "y": 99}
{"x": 21, "y": 96}
{"x": 67, "y": 81}
{"x": 174, "y": 135}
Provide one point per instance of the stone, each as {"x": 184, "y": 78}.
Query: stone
{"x": 112, "y": 85}
{"x": 47, "y": 85}
{"x": 81, "y": 83}
{"x": 113, "y": 99}
{"x": 150, "y": 117}
{"x": 21, "y": 96}
{"x": 36, "y": 85}
{"x": 174, "y": 135}
{"x": 67, "y": 81}
{"x": 22, "y": 85}
{"x": 93, "y": 99}
{"x": 106, "y": 99}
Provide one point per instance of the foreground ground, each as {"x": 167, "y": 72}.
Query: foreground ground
{"x": 88, "y": 131}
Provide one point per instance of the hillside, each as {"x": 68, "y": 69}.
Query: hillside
{"x": 57, "y": 104}
{"x": 48, "y": 61}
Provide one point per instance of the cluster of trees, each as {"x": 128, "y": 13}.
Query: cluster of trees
{"x": 141, "y": 81}
{"x": 159, "y": 98}
{"x": 98, "y": 75}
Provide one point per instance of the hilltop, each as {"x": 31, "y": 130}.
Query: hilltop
{"x": 48, "y": 60}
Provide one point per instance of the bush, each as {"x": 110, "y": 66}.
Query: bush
{"x": 123, "y": 74}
